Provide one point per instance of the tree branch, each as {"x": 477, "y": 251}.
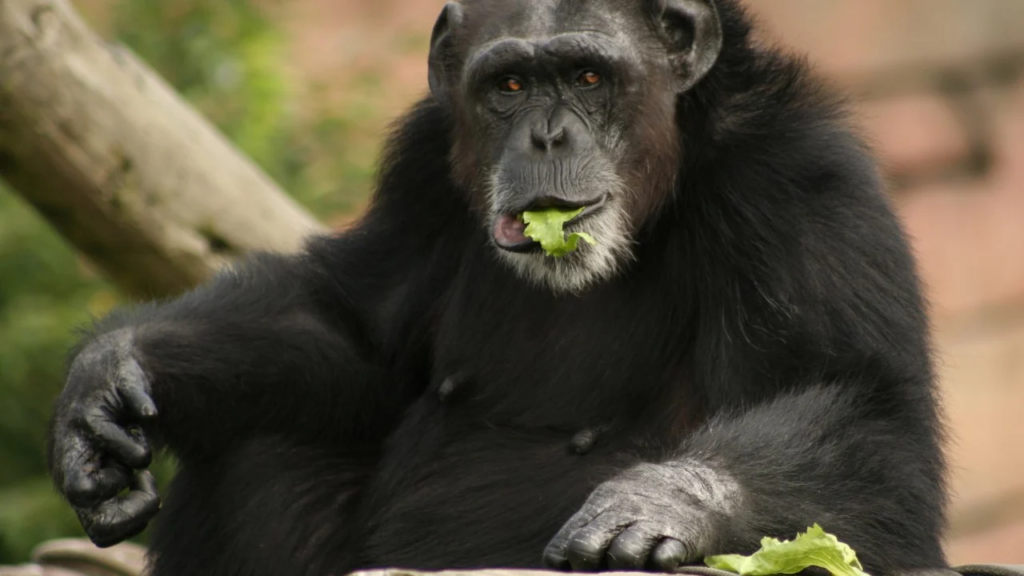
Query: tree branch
{"x": 126, "y": 170}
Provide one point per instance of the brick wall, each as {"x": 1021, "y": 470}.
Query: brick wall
{"x": 939, "y": 86}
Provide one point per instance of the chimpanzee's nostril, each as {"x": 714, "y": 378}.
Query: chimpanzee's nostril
{"x": 558, "y": 138}
{"x": 545, "y": 140}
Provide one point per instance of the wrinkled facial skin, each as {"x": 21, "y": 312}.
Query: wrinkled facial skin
{"x": 560, "y": 103}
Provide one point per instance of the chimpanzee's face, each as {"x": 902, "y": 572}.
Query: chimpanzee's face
{"x": 563, "y": 104}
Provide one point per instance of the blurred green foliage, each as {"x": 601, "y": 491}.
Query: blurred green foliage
{"x": 228, "y": 59}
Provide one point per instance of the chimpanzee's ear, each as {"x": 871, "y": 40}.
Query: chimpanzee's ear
{"x": 441, "y": 48}
{"x": 692, "y": 33}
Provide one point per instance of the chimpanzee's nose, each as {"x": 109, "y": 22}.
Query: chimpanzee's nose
{"x": 548, "y": 136}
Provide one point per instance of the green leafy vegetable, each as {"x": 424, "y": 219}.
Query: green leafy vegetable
{"x": 812, "y": 548}
{"x": 545, "y": 226}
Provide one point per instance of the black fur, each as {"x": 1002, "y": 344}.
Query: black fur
{"x": 396, "y": 396}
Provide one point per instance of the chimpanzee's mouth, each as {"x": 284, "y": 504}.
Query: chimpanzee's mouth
{"x": 509, "y": 229}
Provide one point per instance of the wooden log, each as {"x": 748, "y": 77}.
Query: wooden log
{"x": 127, "y": 171}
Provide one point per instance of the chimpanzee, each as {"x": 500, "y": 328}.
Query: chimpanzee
{"x": 742, "y": 352}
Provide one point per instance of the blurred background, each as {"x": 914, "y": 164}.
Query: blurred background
{"x": 307, "y": 88}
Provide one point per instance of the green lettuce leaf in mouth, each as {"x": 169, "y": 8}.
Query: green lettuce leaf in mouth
{"x": 812, "y": 548}
{"x": 545, "y": 226}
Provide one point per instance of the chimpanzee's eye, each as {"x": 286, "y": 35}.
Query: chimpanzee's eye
{"x": 510, "y": 85}
{"x": 588, "y": 79}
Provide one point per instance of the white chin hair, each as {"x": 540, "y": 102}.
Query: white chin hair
{"x": 588, "y": 264}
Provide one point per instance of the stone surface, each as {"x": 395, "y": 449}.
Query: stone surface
{"x": 858, "y": 38}
{"x": 998, "y": 545}
{"x": 962, "y": 235}
{"x": 981, "y": 370}
{"x": 915, "y": 133}
{"x": 967, "y": 232}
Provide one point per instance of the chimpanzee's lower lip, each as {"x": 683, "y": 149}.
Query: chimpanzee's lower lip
{"x": 507, "y": 233}
{"x": 521, "y": 248}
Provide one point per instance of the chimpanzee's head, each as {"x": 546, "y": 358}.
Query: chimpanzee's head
{"x": 570, "y": 104}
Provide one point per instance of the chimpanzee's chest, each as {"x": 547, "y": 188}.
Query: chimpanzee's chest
{"x": 530, "y": 359}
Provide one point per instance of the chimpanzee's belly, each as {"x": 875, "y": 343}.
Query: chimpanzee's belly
{"x": 483, "y": 470}
{"x": 462, "y": 493}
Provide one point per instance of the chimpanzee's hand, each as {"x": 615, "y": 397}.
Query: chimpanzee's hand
{"x": 652, "y": 517}
{"x": 96, "y": 447}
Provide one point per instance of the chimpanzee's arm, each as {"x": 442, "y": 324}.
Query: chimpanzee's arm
{"x": 839, "y": 455}
{"x": 267, "y": 348}
{"x": 286, "y": 345}
{"x": 278, "y": 344}
{"x": 827, "y": 455}
{"x": 864, "y": 466}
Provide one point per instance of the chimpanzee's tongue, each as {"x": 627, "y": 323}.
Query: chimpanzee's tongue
{"x": 508, "y": 231}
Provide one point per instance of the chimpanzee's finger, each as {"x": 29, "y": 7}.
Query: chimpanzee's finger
{"x": 122, "y": 517}
{"x": 668, "y": 555}
{"x": 89, "y": 485}
{"x": 132, "y": 451}
{"x": 555, "y": 554}
{"x": 588, "y": 545}
{"x": 630, "y": 549}
{"x": 132, "y": 385}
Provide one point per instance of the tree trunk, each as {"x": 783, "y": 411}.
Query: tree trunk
{"x": 126, "y": 170}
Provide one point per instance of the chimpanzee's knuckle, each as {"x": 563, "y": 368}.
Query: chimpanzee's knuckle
{"x": 80, "y": 492}
{"x": 106, "y": 525}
